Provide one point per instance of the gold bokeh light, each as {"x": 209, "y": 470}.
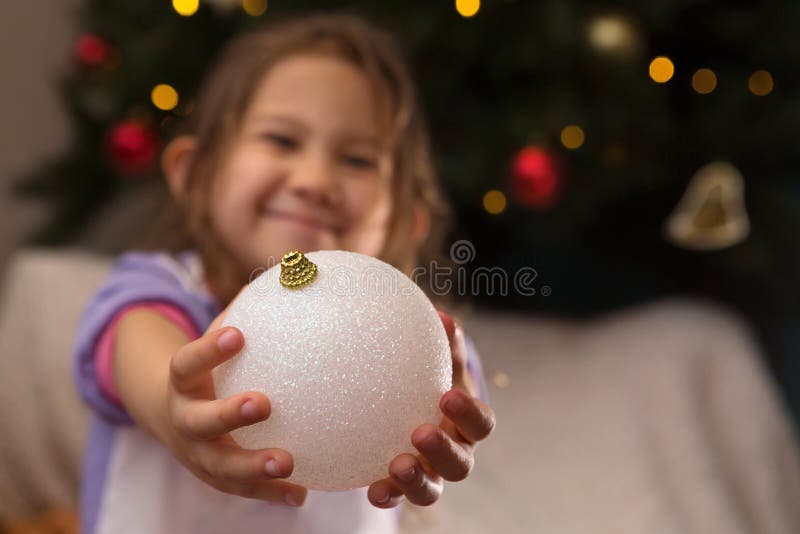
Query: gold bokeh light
{"x": 254, "y": 8}
{"x": 704, "y": 81}
{"x": 185, "y": 8}
{"x": 761, "y": 83}
{"x": 494, "y": 202}
{"x": 662, "y": 69}
{"x": 164, "y": 97}
{"x": 468, "y": 8}
{"x": 572, "y": 137}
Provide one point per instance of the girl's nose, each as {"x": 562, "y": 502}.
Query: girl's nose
{"x": 314, "y": 180}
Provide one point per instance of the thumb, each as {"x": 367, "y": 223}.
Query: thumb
{"x": 458, "y": 352}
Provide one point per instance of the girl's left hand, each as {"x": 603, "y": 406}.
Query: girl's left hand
{"x": 446, "y": 451}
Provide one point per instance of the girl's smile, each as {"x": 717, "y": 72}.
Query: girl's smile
{"x": 311, "y": 222}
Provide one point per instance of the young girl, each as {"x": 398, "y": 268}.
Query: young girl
{"x": 305, "y": 136}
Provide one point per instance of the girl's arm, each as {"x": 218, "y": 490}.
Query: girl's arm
{"x": 143, "y": 345}
{"x": 164, "y": 382}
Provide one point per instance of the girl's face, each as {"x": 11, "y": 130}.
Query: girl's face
{"x": 306, "y": 170}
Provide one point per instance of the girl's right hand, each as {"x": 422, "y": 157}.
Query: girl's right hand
{"x": 199, "y": 425}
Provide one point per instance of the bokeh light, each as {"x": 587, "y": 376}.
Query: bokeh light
{"x": 572, "y": 137}
{"x": 185, "y": 8}
{"x": 501, "y": 380}
{"x": 661, "y": 69}
{"x": 761, "y": 83}
{"x": 468, "y": 8}
{"x": 614, "y": 34}
{"x": 254, "y": 8}
{"x": 704, "y": 81}
{"x": 164, "y": 97}
{"x": 494, "y": 202}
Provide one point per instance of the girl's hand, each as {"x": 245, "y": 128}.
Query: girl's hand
{"x": 446, "y": 451}
{"x": 199, "y": 424}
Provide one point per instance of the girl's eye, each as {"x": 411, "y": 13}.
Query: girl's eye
{"x": 281, "y": 141}
{"x": 360, "y": 162}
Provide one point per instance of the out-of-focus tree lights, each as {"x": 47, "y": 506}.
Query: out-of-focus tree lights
{"x": 661, "y": 69}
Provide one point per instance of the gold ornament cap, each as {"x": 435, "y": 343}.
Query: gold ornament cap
{"x": 296, "y": 270}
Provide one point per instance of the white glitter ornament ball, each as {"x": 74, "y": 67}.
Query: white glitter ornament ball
{"x": 352, "y": 363}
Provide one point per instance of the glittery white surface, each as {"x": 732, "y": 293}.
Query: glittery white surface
{"x": 352, "y": 364}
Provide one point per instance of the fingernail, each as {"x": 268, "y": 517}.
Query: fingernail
{"x": 407, "y": 475}
{"x": 455, "y": 404}
{"x": 383, "y": 497}
{"x": 249, "y": 409}
{"x": 272, "y": 468}
{"x": 291, "y": 500}
{"x": 228, "y": 341}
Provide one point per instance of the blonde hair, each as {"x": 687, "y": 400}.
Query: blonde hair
{"x": 223, "y": 99}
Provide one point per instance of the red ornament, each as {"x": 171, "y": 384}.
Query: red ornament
{"x": 92, "y": 50}
{"x": 132, "y": 146}
{"x": 536, "y": 177}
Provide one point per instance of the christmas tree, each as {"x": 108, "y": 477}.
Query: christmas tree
{"x": 618, "y": 154}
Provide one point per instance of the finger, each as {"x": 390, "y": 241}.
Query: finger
{"x": 190, "y": 365}
{"x": 457, "y": 357}
{"x": 384, "y": 494}
{"x": 449, "y": 459}
{"x": 449, "y": 324}
{"x": 419, "y": 486}
{"x": 458, "y": 352}
{"x": 472, "y": 417}
{"x": 229, "y": 463}
{"x": 274, "y": 491}
{"x": 207, "y": 419}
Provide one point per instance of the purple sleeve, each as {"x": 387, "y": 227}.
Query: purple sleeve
{"x": 475, "y": 368}
{"x": 135, "y": 277}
